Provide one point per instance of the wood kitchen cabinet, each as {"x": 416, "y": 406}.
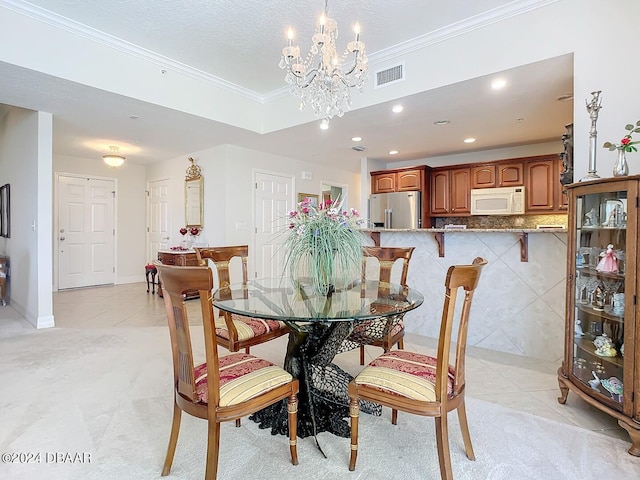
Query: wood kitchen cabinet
{"x": 483, "y": 176}
{"x": 401, "y": 180}
{"x": 383, "y": 182}
{"x": 543, "y": 188}
{"x": 602, "y": 354}
{"x": 409, "y": 180}
{"x": 510, "y": 174}
{"x": 440, "y": 192}
{"x": 451, "y": 192}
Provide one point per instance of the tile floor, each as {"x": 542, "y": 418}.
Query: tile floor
{"x": 513, "y": 381}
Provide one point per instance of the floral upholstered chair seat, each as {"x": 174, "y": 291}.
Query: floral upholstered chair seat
{"x": 242, "y": 377}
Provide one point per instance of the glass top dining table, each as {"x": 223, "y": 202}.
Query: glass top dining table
{"x": 321, "y": 326}
{"x": 295, "y": 301}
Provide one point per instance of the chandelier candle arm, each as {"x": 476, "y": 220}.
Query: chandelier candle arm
{"x": 320, "y": 79}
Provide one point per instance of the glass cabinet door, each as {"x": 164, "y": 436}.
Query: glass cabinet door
{"x": 599, "y": 306}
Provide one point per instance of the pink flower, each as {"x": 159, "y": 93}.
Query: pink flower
{"x": 195, "y": 231}
{"x": 183, "y": 231}
{"x": 625, "y": 141}
{"x": 305, "y": 210}
{"x": 292, "y": 213}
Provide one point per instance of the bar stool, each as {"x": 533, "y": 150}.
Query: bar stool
{"x": 150, "y": 272}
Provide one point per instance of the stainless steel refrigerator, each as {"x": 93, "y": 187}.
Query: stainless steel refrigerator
{"x": 395, "y": 210}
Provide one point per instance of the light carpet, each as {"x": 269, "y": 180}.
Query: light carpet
{"x": 107, "y": 393}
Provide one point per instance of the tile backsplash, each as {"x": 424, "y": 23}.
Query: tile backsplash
{"x": 501, "y": 221}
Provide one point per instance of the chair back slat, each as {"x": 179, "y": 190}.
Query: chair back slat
{"x": 176, "y": 281}
{"x": 458, "y": 277}
{"x": 387, "y": 257}
{"x": 221, "y": 257}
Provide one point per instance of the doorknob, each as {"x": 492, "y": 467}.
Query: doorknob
{"x": 61, "y": 238}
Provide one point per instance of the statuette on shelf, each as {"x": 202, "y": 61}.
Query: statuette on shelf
{"x": 608, "y": 261}
{"x": 590, "y": 218}
{"x": 614, "y": 386}
{"x": 604, "y": 346}
{"x": 594, "y": 382}
{"x": 578, "y": 329}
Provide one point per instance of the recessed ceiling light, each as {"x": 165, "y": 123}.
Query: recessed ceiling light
{"x": 356, "y": 139}
{"x": 498, "y": 84}
{"x": 324, "y": 124}
{"x": 469, "y": 140}
{"x": 442, "y": 122}
{"x": 397, "y": 108}
{"x": 393, "y": 152}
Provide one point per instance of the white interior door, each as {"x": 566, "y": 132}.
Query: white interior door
{"x": 158, "y": 212}
{"x": 273, "y": 201}
{"x": 85, "y": 231}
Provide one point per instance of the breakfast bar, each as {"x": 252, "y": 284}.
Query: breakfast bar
{"x": 519, "y": 308}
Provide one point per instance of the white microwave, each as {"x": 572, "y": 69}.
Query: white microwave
{"x": 497, "y": 201}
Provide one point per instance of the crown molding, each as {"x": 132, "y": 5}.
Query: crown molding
{"x": 89, "y": 33}
{"x": 515, "y": 8}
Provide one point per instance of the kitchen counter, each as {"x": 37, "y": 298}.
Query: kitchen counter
{"x": 470, "y": 230}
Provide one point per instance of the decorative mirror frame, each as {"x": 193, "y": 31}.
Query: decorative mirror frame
{"x": 193, "y": 196}
{"x": 5, "y": 211}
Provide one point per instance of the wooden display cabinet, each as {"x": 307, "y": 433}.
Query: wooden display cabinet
{"x": 601, "y": 359}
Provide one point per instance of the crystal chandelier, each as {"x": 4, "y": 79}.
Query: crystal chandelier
{"x": 324, "y": 79}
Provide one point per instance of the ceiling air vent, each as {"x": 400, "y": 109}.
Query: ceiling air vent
{"x": 390, "y": 75}
{"x": 358, "y": 148}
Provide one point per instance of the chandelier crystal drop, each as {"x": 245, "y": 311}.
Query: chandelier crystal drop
{"x": 324, "y": 79}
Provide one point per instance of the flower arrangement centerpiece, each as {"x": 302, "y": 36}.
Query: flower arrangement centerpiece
{"x": 324, "y": 244}
{"x": 626, "y": 145}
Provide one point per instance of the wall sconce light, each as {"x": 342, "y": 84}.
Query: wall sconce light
{"x": 113, "y": 159}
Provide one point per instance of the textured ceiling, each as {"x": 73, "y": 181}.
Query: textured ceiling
{"x": 240, "y": 43}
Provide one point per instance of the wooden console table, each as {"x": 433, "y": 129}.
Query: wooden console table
{"x": 182, "y": 258}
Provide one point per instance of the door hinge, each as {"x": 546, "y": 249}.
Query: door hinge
{"x": 114, "y": 231}
{"x": 256, "y": 228}
{"x": 114, "y": 269}
{"x": 147, "y": 192}
{"x": 637, "y": 202}
{"x": 255, "y": 274}
{"x": 634, "y": 299}
{"x": 113, "y": 193}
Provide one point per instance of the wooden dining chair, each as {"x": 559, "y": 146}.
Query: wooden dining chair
{"x": 421, "y": 384}
{"x": 235, "y": 332}
{"x": 384, "y": 333}
{"x": 222, "y": 388}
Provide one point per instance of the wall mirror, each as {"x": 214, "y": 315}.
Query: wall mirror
{"x": 5, "y": 211}
{"x": 193, "y": 196}
{"x": 332, "y": 191}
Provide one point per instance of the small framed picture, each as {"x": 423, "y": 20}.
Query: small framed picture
{"x": 310, "y": 196}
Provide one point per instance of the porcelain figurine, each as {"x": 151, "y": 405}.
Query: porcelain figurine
{"x": 604, "y": 346}
{"x": 608, "y": 261}
{"x": 614, "y": 386}
{"x": 594, "y": 382}
{"x": 622, "y": 350}
{"x": 577, "y": 329}
{"x": 590, "y": 218}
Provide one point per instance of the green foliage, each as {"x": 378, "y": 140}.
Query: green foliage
{"x": 626, "y": 144}
{"x": 324, "y": 244}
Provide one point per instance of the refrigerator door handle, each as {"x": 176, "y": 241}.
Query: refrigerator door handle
{"x": 388, "y": 218}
